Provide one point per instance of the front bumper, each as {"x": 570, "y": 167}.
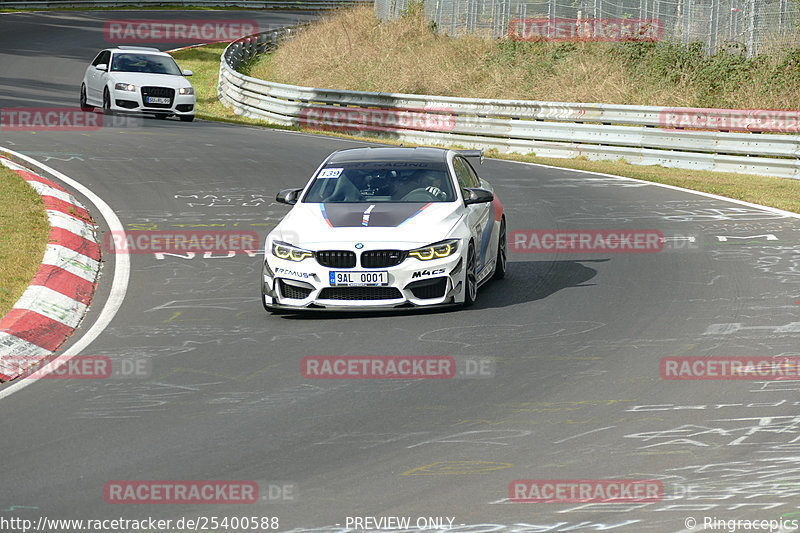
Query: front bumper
{"x": 413, "y": 283}
{"x": 133, "y": 101}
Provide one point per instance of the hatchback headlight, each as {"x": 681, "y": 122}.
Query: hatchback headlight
{"x": 287, "y": 251}
{"x": 435, "y": 251}
{"x": 186, "y": 90}
{"x": 125, "y": 87}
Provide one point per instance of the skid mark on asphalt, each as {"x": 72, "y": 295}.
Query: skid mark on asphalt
{"x": 447, "y": 468}
{"x": 483, "y": 437}
{"x": 506, "y": 333}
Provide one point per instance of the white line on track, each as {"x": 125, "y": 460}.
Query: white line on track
{"x": 666, "y": 186}
{"x": 119, "y": 284}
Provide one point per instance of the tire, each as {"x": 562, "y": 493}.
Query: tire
{"x": 106, "y": 103}
{"x": 186, "y": 118}
{"x": 84, "y": 105}
{"x": 500, "y": 264}
{"x": 470, "y": 278}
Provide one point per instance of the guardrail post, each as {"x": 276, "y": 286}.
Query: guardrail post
{"x": 782, "y": 23}
{"x": 712, "y": 41}
{"x": 751, "y": 29}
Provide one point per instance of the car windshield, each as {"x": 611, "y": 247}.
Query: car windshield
{"x": 147, "y": 63}
{"x": 373, "y": 182}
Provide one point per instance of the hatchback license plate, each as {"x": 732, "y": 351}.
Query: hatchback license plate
{"x": 358, "y": 278}
{"x": 157, "y": 100}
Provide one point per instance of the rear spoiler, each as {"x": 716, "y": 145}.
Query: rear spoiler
{"x": 471, "y": 153}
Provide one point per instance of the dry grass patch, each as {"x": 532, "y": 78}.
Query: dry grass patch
{"x": 352, "y": 50}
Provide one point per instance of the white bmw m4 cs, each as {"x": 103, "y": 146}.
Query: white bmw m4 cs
{"x": 385, "y": 228}
{"x": 134, "y": 79}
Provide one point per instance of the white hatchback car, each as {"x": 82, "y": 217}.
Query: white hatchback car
{"x": 138, "y": 79}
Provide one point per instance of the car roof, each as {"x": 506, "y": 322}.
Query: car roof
{"x": 138, "y": 49}
{"x": 387, "y": 154}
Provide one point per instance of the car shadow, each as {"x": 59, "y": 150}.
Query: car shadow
{"x": 525, "y": 281}
{"x": 528, "y": 281}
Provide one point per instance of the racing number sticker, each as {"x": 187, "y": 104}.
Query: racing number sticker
{"x": 330, "y": 173}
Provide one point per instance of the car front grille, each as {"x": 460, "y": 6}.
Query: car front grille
{"x": 429, "y": 288}
{"x": 360, "y": 293}
{"x": 292, "y": 292}
{"x": 158, "y": 92}
{"x": 382, "y": 258}
{"x": 336, "y": 258}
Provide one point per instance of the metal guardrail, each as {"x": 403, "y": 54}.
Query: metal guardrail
{"x": 301, "y": 5}
{"x": 548, "y": 129}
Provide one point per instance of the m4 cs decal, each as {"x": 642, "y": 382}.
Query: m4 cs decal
{"x": 420, "y": 273}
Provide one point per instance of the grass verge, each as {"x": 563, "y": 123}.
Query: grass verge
{"x": 774, "y": 192}
{"x": 24, "y": 228}
{"x": 203, "y": 61}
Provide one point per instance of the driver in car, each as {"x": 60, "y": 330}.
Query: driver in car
{"x": 431, "y": 180}
{"x": 428, "y": 180}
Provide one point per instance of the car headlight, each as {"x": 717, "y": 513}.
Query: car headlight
{"x": 125, "y": 87}
{"x": 287, "y": 251}
{"x": 186, "y": 90}
{"x": 436, "y": 250}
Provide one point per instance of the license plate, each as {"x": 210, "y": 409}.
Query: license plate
{"x": 359, "y": 279}
{"x": 157, "y": 100}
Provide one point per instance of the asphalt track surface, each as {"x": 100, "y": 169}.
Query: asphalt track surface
{"x": 577, "y": 340}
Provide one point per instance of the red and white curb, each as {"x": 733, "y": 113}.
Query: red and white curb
{"x": 55, "y": 302}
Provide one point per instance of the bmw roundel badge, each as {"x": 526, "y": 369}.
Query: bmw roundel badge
{"x": 359, "y": 246}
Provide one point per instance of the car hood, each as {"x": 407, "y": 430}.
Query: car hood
{"x": 413, "y": 224}
{"x": 141, "y": 79}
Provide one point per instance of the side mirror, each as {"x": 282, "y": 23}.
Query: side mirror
{"x": 288, "y": 196}
{"x": 187, "y": 72}
{"x": 102, "y": 66}
{"x": 477, "y": 196}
